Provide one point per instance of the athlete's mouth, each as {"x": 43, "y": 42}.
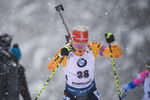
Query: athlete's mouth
{"x": 80, "y": 51}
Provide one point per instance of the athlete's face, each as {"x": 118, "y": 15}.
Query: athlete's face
{"x": 79, "y": 46}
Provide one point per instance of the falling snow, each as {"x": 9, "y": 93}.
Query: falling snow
{"x": 38, "y": 29}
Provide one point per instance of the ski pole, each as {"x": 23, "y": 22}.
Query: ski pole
{"x": 49, "y": 78}
{"x": 113, "y": 64}
{"x": 60, "y": 8}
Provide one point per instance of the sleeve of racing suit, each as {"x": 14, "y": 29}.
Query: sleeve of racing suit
{"x": 100, "y": 49}
{"x": 105, "y": 51}
{"x": 54, "y": 62}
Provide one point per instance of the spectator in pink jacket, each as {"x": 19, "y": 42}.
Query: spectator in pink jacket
{"x": 143, "y": 77}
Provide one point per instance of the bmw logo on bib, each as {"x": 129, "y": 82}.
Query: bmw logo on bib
{"x": 81, "y": 62}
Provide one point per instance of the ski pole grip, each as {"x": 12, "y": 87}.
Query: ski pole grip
{"x": 58, "y": 7}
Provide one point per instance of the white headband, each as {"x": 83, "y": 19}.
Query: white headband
{"x": 148, "y": 66}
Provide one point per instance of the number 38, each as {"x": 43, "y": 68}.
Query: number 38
{"x": 84, "y": 74}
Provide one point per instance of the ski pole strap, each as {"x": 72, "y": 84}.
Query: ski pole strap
{"x": 113, "y": 64}
{"x": 49, "y": 78}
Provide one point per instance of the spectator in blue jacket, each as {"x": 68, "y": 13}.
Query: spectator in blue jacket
{"x": 23, "y": 88}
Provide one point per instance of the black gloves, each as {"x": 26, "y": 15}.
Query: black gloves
{"x": 109, "y": 37}
{"x": 65, "y": 51}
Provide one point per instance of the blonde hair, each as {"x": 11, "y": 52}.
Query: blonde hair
{"x": 80, "y": 28}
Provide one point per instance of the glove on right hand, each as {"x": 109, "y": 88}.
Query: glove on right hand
{"x": 65, "y": 51}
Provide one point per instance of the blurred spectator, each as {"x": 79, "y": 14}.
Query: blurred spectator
{"x": 142, "y": 78}
{"x": 8, "y": 70}
{"x": 23, "y": 88}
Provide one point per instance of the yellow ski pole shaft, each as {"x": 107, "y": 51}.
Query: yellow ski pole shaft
{"x": 49, "y": 79}
{"x": 113, "y": 64}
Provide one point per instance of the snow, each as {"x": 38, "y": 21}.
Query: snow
{"x": 38, "y": 29}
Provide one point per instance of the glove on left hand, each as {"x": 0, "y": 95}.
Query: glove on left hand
{"x": 65, "y": 51}
{"x": 109, "y": 37}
